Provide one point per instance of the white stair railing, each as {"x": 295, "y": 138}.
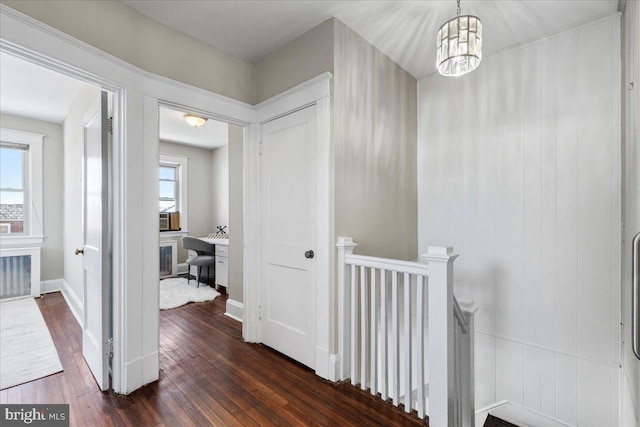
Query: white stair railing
{"x": 403, "y": 335}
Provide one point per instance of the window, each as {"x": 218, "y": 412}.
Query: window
{"x": 173, "y": 187}
{"x": 13, "y": 187}
{"x": 169, "y": 188}
{"x": 21, "y": 219}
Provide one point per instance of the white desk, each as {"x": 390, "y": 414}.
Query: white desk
{"x": 222, "y": 260}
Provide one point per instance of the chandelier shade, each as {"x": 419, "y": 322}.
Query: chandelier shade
{"x": 459, "y": 45}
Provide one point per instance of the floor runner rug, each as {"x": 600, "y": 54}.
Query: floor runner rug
{"x": 27, "y": 351}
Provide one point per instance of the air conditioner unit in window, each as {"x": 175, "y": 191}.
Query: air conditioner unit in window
{"x": 164, "y": 221}
{"x": 169, "y": 221}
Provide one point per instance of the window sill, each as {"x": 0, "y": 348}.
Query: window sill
{"x": 7, "y": 241}
{"x": 174, "y": 233}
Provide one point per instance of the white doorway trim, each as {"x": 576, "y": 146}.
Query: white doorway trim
{"x": 315, "y": 91}
{"x": 135, "y": 234}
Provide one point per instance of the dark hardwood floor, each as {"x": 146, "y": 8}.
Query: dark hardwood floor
{"x": 208, "y": 376}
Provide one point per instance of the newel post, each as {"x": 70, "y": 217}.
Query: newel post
{"x": 441, "y": 338}
{"x": 345, "y": 246}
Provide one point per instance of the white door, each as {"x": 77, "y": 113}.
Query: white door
{"x": 288, "y": 290}
{"x": 97, "y": 285}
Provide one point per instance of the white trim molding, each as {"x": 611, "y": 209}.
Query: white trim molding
{"x": 316, "y": 91}
{"x": 49, "y": 286}
{"x": 33, "y": 212}
{"x": 234, "y": 310}
{"x": 297, "y": 97}
{"x": 183, "y": 268}
{"x": 518, "y": 414}
{"x": 73, "y": 301}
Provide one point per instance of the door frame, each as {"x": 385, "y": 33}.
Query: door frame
{"x": 135, "y": 95}
{"x": 316, "y": 91}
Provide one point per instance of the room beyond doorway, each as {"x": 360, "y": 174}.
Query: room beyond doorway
{"x": 200, "y": 195}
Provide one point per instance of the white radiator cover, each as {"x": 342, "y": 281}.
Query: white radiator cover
{"x": 20, "y": 272}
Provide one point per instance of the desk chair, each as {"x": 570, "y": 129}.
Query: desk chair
{"x": 205, "y": 255}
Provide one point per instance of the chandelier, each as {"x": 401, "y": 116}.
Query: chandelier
{"x": 459, "y": 45}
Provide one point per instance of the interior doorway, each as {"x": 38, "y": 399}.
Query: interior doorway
{"x": 200, "y": 196}
{"x": 43, "y": 195}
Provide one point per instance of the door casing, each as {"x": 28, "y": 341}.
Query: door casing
{"x": 316, "y": 91}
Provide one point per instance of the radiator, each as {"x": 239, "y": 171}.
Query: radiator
{"x": 19, "y": 272}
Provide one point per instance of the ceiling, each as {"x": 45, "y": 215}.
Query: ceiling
{"x": 29, "y": 90}
{"x": 403, "y": 30}
{"x": 174, "y": 128}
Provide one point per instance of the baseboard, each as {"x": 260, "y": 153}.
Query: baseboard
{"x": 150, "y": 368}
{"x": 481, "y": 414}
{"x": 74, "y": 303}
{"x": 518, "y": 415}
{"x": 183, "y": 268}
{"x": 48, "y": 286}
{"x": 235, "y": 310}
{"x": 132, "y": 376}
{"x": 334, "y": 367}
{"x": 323, "y": 363}
{"x": 629, "y": 412}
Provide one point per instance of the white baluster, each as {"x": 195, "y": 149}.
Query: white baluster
{"x": 395, "y": 345}
{"x": 407, "y": 342}
{"x": 456, "y": 374}
{"x": 354, "y": 325}
{"x": 363, "y": 328}
{"x": 420, "y": 345}
{"x": 383, "y": 335}
{"x": 373, "y": 336}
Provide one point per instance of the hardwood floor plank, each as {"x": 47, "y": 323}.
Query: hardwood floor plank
{"x": 208, "y": 376}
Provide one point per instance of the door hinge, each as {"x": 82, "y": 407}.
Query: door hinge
{"x": 110, "y": 348}
{"x": 259, "y": 312}
{"x": 111, "y": 125}
{"x": 260, "y": 147}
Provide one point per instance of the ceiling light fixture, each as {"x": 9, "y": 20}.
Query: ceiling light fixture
{"x": 459, "y": 45}
{"x": 194, "y": 120}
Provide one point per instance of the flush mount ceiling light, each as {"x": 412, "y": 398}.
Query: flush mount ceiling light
{"x": 194, "y": 120}
{"x": 459, "y": 45}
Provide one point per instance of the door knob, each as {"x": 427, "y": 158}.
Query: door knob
{"x": 309, "y": 254}
{"x": 80, "y": 251}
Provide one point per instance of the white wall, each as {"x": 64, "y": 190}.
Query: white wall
{"x": 220, "y": 188}
{"x": 374, "y": 139}
{"x": 236, "y": 231}
{"x": 631, "y": 212}
{"x": 519, "y": 171}
{"x": 52, "y": 152}
{"x": 73, "y": 153}
{"x": 127, "y": 34}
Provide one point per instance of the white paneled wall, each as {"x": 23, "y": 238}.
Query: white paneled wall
{"x": 630, "y": 395}
{"x": 519, "y": 170}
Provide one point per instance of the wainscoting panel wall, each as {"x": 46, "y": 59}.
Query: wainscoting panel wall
{"x": 519, "y": 171}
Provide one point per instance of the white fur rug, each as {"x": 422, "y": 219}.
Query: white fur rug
{"x": 27, "y": 351}
{"x": 177, "y": 292}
